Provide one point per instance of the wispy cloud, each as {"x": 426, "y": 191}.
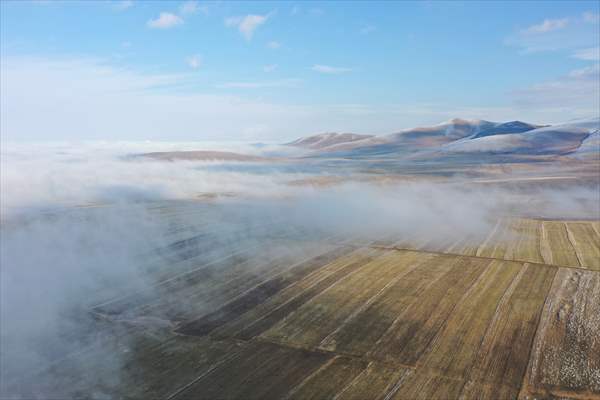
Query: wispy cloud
{"x": 589, "y": 16}
{"x": 35, "y": 86}
{"x": 327, "y": 69}
{"x": 270, "y": 67}
{"x": 295, "y": 10}
{"x": 247, "y": 24}
{"x": 165, "y": 21}
{"x": 590, "y": 54}
{"x": 591, "y": 73}
{"x": 568, "y": 33}
{"x": 548, "y": 25}
{"x": 190, "y": 7}
{"x": 126, "y": 44}
{"x": 123, "y": 5}
{"x": 284, "y": 83}
{"x": 273, "y": 44}
{"x": 194, "y": 61}
{"x": 576, "y": 94}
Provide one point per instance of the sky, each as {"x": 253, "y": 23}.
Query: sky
{"x": 274, "y": 71}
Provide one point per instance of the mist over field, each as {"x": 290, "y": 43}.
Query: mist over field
{"x": 84, "y": 223}
{"x": 299, "y": 200}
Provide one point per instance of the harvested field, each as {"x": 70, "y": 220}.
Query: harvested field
{"x": 561, "y": 243}
{"x": 566, "y": 353}
{"x": 516, "y": 315}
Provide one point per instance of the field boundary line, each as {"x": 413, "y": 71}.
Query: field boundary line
{"x": 487, "y": 258}
{"x": 185, "y": 387}
{"x": 299, "y": 386}
{"x": 573, "y": 242}
{"x": 374, "y": 298}
{"x": 302, "y": 292}
{"x": 504, "y": 300}
{"x": 534, "y": 338}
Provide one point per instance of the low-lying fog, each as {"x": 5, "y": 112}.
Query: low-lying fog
{"x": 81, "y": 223}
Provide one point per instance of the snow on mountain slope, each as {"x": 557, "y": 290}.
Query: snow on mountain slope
{"x": 327, "y": 139}
{"x": 422, "y": 137}
{"x": 506, "y": 128}
{"x": 558, "y": 139}
{"x": 590, "y": 145}
{"x": 463, "y": 136}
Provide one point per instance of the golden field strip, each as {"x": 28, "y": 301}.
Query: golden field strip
{"x": 562, "y": 243}
{"x": 514, "y": 315}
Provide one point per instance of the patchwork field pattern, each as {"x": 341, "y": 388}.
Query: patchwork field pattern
{"x": 512, "y": 315}
{"x": 561, "y": 243}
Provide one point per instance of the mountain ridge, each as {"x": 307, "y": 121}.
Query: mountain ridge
{"x": 460, "y": 136}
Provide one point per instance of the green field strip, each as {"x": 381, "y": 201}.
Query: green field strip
{"x": 337, "y": 267}
{"x": 503, "y": 356}
{"x": 257, "y": 295}
{"x": 205, "y": 296}
{"x": 329, "y": 380}
{"x": 527, "y": 241}
{"x": 319, "y": 317}
{"x": 454, "y": 349}
{"x": 283, "y": 309}
{"x": 261, "y": 371}
{"x": 423, "y": 386}
{"x": 496, "y": 244}
{"x": 412, "y": 331}
{"x": 173, "y": 365}
{"x": 556, "y": 246}
{"x": 375, "y": 382}
{"x": 359, "y": 335}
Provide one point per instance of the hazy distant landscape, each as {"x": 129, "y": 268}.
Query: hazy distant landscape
{"x": 173, "y": 253}
{"x": 304, "y": 200}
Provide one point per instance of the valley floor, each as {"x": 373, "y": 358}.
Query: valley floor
{"x": 515, "y": 314}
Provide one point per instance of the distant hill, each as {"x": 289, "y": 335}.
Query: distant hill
{"x": 200, "y": 156}
{"x": 557, "y": 139}
{"x": 463, "y": 136}
{"x": 414, "y": 138}
{"x": 324, "y": 140}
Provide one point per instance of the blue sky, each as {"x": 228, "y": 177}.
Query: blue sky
{"x": 195, "y": 70}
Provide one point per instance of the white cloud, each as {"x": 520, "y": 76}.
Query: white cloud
{"x": 365, "y": 30}
{"x": 589, "y": 16}
{"x": 70, "y": 99}
{"x": 247, "y": 24}
{"x": 270, "y": 67}
{"x": 590, "y": 54}
{"x": 548, "y": 25}
{"x": 189, "y": 7}
{"x": 126, "y": 44}
{"x": 326, "y": 69}
{"x": 194, "y": 61}
{"x": 576, "y": 94}
{"x": 123, "y": 5}
{"x": 569, "y": 33}
{"x": 165, "y": 21}
{"x": 591, "y": 73}
{"x": 285, "y": 83}
{"x": 273, "y": 44}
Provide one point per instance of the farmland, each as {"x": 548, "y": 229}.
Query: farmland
{"x": 511, "y": 314}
